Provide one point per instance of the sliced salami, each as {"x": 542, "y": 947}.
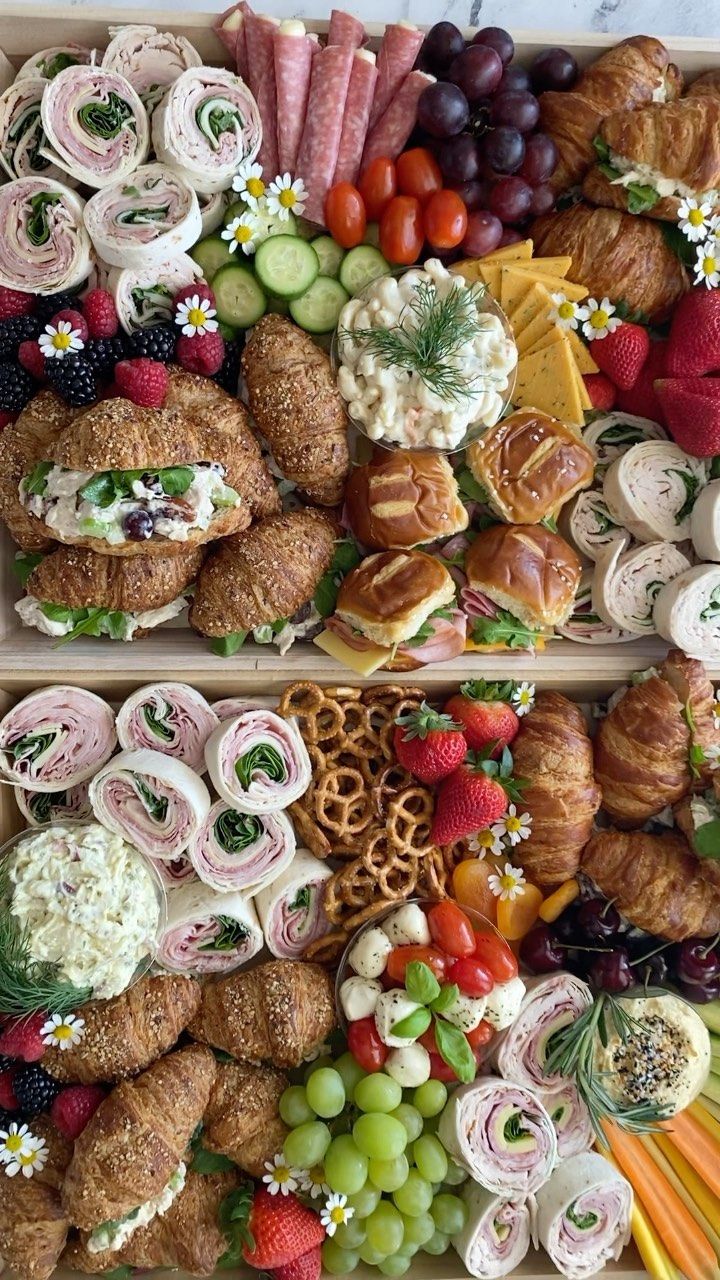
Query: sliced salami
{"x": 345, "y": 29}
{"x": 229, "y": 27}
{"x": 293, "y": 54}
{"x": 318, "y": 153}
{"x": 260, "y": 33}
{"x": 361, "y": 91}
{"x": 399, "y": 48}
{"x": 389, "y": 135}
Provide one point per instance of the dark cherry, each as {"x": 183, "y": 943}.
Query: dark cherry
{"x": 540, "y": 952}
{"x": 653, "y": 971}
{"x": 698, "y": 992}
{"x": 697, "y": 962}
{"x": 138, "y": 525}
{"x": 566, "y": 927}
{"x": 611, "y": 971}
{"x": 598, "y": 921}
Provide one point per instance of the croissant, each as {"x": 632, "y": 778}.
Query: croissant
{"x": 707, "y": 83}
{"x": 654, "y": 882}
{"x": 297, "y": 407}
{"x": 276, "y": 1012}
{"x": 690, "y": 815}
{"x": 125, "y": 1035}
{"x": 23, "y": 443}
{"x": 82, "y": 579}
{"x": 688, "y": 678}
{"x": 33, "y": 1226}
{"x": 599, "y": 189}
{"x": 553, "y": 751}
{"x": 242, "y": 1120}
{"x": 137, "y": 1138}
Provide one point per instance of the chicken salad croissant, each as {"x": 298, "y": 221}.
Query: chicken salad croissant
{"x": 24, "y": 443}
{"x": 33, "y": 1223}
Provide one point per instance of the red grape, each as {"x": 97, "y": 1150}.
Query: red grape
{"x": 510, "y": 236}
{"x": 510, "y": 199}
{"x": 503, "y": 149}
{"x": 483, "y": 234}
{"x": 553, "y": 69}
{"x": 543, "y": 200}
{"x": 473, "y": 194}
{"x": 541, "y": 157}
{"x": 499, "y": 39}
{"x": 515, "y": 79}
{"x": 443, "y": 42}
{"x": 521, "y": 110}
{"x": 443, "y": 110}
{"x": 477, "y": 71}
{"x": 459, "y": 158}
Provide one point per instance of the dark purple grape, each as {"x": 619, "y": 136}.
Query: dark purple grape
{"x": 521, "y": 110}
{"x": 510, "y": 199}
{"x": 598, "y": 921}
{"x": 459, "y": 159}
{"x": 540, "y": 952}
{"x": 515, "y": 79}
{"x": 541, "y": 157}
{"x": 611, "y": 971}
{"x": 484, "y": 232}
{"x": 477, "y": 71}
{"x": 474, "y": 195}
{"x": 553, "y": 69}
{"x": 543, "y": 200}
{"x": 503, "y": 149}
{"x": 443, "y": 110}
{"x": 443, "y": 42}
{"x": 510, "y": 236}
{"x": 138, "y": 525}
{"x": 698, "y": 992}
{"x": 697, "y": 962}
{"x": 499, "y": 39}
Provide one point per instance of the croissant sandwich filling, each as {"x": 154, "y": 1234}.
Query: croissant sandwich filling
{"x": 64, "y": 623}
{"x": 114, "y": 1234}
{"x": 626, "y": 172}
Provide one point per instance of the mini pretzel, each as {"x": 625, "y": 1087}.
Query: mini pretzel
{"x": 328, "y": 949}
{"x": 342, "y": 801}
{"x": 391, "y": 780}
{"x": 409, "y": 819}
{"x": 355, "y": 755}
{"x": 319, "y": 717}
{"x": 389, "y": 694}
{"x": 312, "y": 837}
{"x": 352, "y": 886}
{"x": 395, "y": 876}
{"x": 434, "y": 880}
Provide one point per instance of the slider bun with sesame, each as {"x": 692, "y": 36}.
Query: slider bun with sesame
{"x": 530, "y": 464}
{"x": 390, "y": 595}
{"x": 403, "y": 498}
{"x": 526, "y": 569}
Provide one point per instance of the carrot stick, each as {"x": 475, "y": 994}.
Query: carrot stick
{"x": 653, "y": 1253}
{"x": 687, "y": 1193}
{"x": 706, "y": 1201}
{"x": 699, "y": 1112}
{"x": 697, "y": 1146}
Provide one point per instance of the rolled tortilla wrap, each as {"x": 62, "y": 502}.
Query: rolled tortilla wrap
{"x": 582, "y": 1215}
{"x": 549, "y": 1004}
{"x": 149, "y": 59}
{"x": 145, "y": 297}
{"x": 39, "y": 807}
{"x": 145, "y": 219}
{"x": 590, "y": 526}
{"x": 96, "y": 127}
{"x": 48, "y": 62}
{"x": 705, "y": 522}
{"x": 651, "y": 490}
{"x": 496, "y": 1236}
{"x": 626, "y": 584}
{"x": 228, "y": 708}
{"x": 22, "y": 134}
{"x": 56, "y": 738}
{"x": 242, "y": 852}
{"x": 212, "y": 211}
{"x": 208, "y": 932}
{"x": 501, "y": 1133}
{"x": 206, "y": 126}
{"x": 687, "y": 612}
{"x": 291, "y": 908}
{"x": 169, "y": 717}
{"x": 179, "y": 871}
{"x": 571, "y": 1119}
{"x": 258, "y": 762}
{"x": 614, "y": 433}
{"x": 155, "y": 803}
{"x": 44, "y": 247}
{"x": 584, "y": 625}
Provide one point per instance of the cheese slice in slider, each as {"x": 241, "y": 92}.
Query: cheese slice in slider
{"x": 363, "y": 662}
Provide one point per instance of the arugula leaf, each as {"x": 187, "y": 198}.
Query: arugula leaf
{"x": 706, "y": 840}
{"x": 455, "y": 1050}
{"x": 232, "y": 934}
{"x": 59, "y": 612}
{"x": 691, "y": 484}
{"x": 414, "y": 1025}
{"x": 226, "y": 646}
{"x": 301, "y": 901}
{"x": 175, "y": 480}
{"x": 36, "y": 481}
{"x": 24, "y": 563}
{"x": 640, "y": 197}
{"x": 505, "y": 629}
{"x": 421, "y": 983}
{"x": 470, "y": 489}
{"x": 514, "y": 1130}
{"x": 427, "y": 630}
{"x": 235, "y": 831}
{"x": 602, "y": 150}
{"x": 88, "y": 622}
{"x": 549, "y": 522}
{"x": 345, "y": 557}
{"x": 100, "y": 490}
{"x": 712, "y": 609}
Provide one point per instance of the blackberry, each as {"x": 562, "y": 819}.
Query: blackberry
{"x": 229, "y": 375}
{"x": 103, "y": 354}
{"x": 7, "y": 1117}
{"x": 157, "y": 342}
{"x": 74, "y": 379}
{"x": 16, "y": 387}
{"x": 5, "y": 1062}
{"x": 15, "y": 330}
{"x": 35, "y": 1089}
{"x": 47, "y": 307}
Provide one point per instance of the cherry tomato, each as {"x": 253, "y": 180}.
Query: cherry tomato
{"x": 450, "y": 929}
{"x": 418, "y": 173}
{"x": 365, "y": 1044}
{"x": 472, "y": 977}
{"x": 445, "y": 219}
{"x": 495, "y": 954}
{"x": 401, "y": 230}
{"x": 427, "y": 1039}
{"x": 401, "y": 957}
{"x": 479, "y": 1036}
{"x": 377, "y": 186}
{"x": 345, "y": 216}
{"x": 439, "y": 1069}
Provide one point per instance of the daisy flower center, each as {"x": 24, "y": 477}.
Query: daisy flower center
{"x": 287, "y": 198}
{"x": 337, "y": 1214}
{"x": 566, "y": 310}
{"x": 708, "y": 266}
{"x": 513, "y": 824}
{"x": 485, "y": 839}
{"x": 281, "y": 1174}
{"x": 508, "y": 882}
{"x": 61, "y": 341}
{"x": 30, "y": 1158}
{"x": 195, "y": 316}
{"x": 599, "y": 318}
{"x": 255, "y": 187}
{"x": 14, "y": 1143}
{"x": 695, "y": 218}
{"x": 63, "y": 1032}
{"x": 243, "y": 234}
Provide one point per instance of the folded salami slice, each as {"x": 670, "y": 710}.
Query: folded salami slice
{"x": 496, "y": 1236}
{"x": 149, "y": 59}
{"x": 571, "y": 1118}
{"x": 39, "y": 807}
{"x": 258, "y": 762}
{"x": 48, "y": 62}
{"x": 208, "y": 932}
{"x": 345, "y": 29}
{"x": 293, "y": 54}
{"x": 317, "y": 157}
{"x": 229, "y": 27}
{"x": 705, "y": 522}
{"x": 549, "y": 1004}
{"x": 501, "y": 1133}
{"x": 144, "y": 219}
{"x": 358, "y": 104}
{"x": 21, "y": 131}
{"x": 591, "y": 527}
{"x": 583, "y": 1215}
{"x": 651, "y": 490}
{"x": 399, "y": 48}
{"x": 584, "y": 625}
{"x": 96, "y": 127}
{"x": 626, "y": 584}
{"x": 687, "y": 612}
{"x": 614, "y": 433}
{"x": 389, "y": 133}
{"x": 56, "y": 738}
{"x": 206, "y": 126}
{"x": 44, "y": 247}
{"x": 155, "y": 803}
{"x": 146, "y": 297}
{"x": 169, "y": 717}
{"x": 242, "y": 852}
{"x": 291, "y": 909}
{"x": 260, "y": 31}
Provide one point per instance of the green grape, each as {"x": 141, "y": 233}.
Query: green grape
{"x": 370, "y": 1255}
{"x": 418, "y": 1229}
{"x": 388, "y": 1175}
{"x": 430, "y": 1157}
{"x": 455, "y": 1174}
{"x": 437, "y": 1244}
{"x": 317, "y": 1065}
{"x": 326, "y": 1092}
{"x": 364, "y": 1200}
{"x": 449, "y": 1213}
{"x": 396, "y": 1265}
{"x": 380, "y": 1136}
{"x": 431, "y": 1124}
{"x": 408, "y": 1249}
{"x": 306, "y": 1145}
{"x": 378, "y": 1092}
{"x": 384, "y": 1228}
{"x": 430, "y": 1098}
{"x": 350, "y": 1072}
{"x": 294, "y": 1107}
{"x": 338, "y": 1261}
{"x": 409, "y": 1117}
{"x": 350, "y": 1234}
{"x": 345, "y": 1166}
{"x": 414, "y": 1196}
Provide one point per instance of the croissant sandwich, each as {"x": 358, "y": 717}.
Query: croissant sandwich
{"x": 242, "y": 1120}
{"x": 33, "y": 1224}
{"x": 24, "y": 443}
{"x": 692, "y": 814}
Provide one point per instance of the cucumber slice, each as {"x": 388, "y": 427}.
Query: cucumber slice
{"x": 234, "y": 210}
{"x": 274, "y": 225}
{"x": 318, "y": 310}
{"x": 239, "y": 300}
{"x": 286, "y": 266}
{"x": 360, "y": 266}
{"x": 330, "y": 255}
{"x": 211, "y": 254}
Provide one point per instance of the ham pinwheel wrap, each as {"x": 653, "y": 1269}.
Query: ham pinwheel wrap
{"x": 21, "y": 132}
{"x": 705, "y": 522}
{"x": 582, "y": 1216}
{"x": 39, "y": 807}
{"x": 44, "y": 247}
{"x": 169, "y": 717}
{"x": 208, "y": 932}
{"x": 145, "y": 297}
{"x": 150, "y": 60}
{"x": 212, "y": 211}
{"x": 242, "y": 852}
{"x": 496, "y": 1236}
{"x": 144, "y": 220}
{"x": 206, "y": 126}
{"x": 96, "y": 127}
{"x": 49, "y": 62}
{"x": 590, "y": 526}
{"x": 291, "y": 908}
{"x": 571, "y": 1119}
{"x": 626, "y": 584}
{"x": 56, "y": 738}
{"x": 228, "y": 708}
{"x": 614, "y": 433}
{"x": 548, "y": 1004}
{"x": 179, "y": 871}
{"x": 502, "y": 1134}
{"x": 585, "y": 626}
{"x": 155, "y": 803}
{"x": 258, "y": 762}
{"x": 687, "y": 612}
{"x": 651, "y": 490}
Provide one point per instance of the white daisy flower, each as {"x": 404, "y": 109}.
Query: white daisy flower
{"x": 60, "y": 340}
{"x": 195, "y": 315}
{"x": 317, "y": 1051}
{"x": 313, "y": 1183}
{"x": 695, "y": 219}
{"x": 601, "y": 319}
{"x": 335, "y": 1212}
{"x": 248, "y": 182}
{"x": 517, "y": 825}
{"x": 30, "y": 1161}
{"x": 566, "y": 313}
{"x": 242, "y": 233}
{"x": 487, "y": 841}
{"x": 285, "y": 196}
{"x": 523, "y": 698}
{"x": 15, "y": 1141}
{"x": 707, "y": 265}
{"x": 280, "y": 1177}
{"x": 63, "y": 1032}
{"x": 716, "y": 711}
{"x": 508, "y": 886}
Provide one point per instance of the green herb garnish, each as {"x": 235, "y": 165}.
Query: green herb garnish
{"x": 712, "y": 608}
{"x": 26, "y": 985}
{"x": 31, "y": 747}
{"x": 301, "y": 901}
{"x": 217, "y": 116}
{"x": 36, "y": 480}
{"x": 640, "y": 196}
{"x": 156, "y": 721}
{"x": 231, "y": 935}
{"x": 106, "y": 119}
{"x": 504, "y": 629}
{"x": 691, "y": 484}
{"x": 37, "y": 226}
{"x": 514, "y": 1129}
{"x": 51, "y": 67}
{"x": 262, "y": 758}
{"x": 583, "y": 1221}
{"x": 156, "y": 806}
{"x": 235, "y": 831}
{"x": 226, "y": 646}
{"x": 427, "y": 630}
{"x": 142, "y": 216}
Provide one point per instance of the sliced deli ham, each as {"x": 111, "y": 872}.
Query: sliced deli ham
{"x": 447, "y": 640}
{"x": 21, "y": 131}
{"x": 155, "y": 803}
{"x": 549, "y": 1004}
{"x": 650, "y": 488}
{"x": 291, "y": 908}
{"x": 260, "y": 32}
{"x": 496, "y": 1236}
{"x": 144, "y": 296}
{"x": 207, "y": 124}
{"x": 150, "y": 59}
{"x": 95, "y": 125}
{"x": 44, "y": 247}
{"x": 56, "y": 738}
{"x": 626, "y": 584}
{"x": 501, "y": 1134}
{"x": 390, "y": 132}
{"x": 345, "y": 29}
{"x": 687, "y": 612}
{"x": 145, "y": 221}
{"x": 582, "y": 1215}
{"x": 170, "y": 717}
{"x": 258, "y": 762}
{"x": 242, "y": 851}
{"x": 400, "y": 46}
{"x": 320, "y": 144}
{"x": 293, "y": 55}
{"x": 208, "y": 932}
{"x": 361, "y": 91}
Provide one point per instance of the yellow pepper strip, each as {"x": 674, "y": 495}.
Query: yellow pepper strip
{"x": 703, "y": 1117}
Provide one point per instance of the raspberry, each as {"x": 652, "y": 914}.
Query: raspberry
{"x": 32, "y": 359}
{"x": 16, "y": 387}
{"x": 74, "y": 1106}
{"x": 6, "y": 418}
{"x": 201, "y": 354}
{"x": 8, "y": 1100}
{"x": 199, "y": 289}
{"x": 100, "y": 314}
{"x": 14, "y": 303}
{"x": 77, "y": 321}
{"x": 143, "y": 381}
{"x": 35, "y": 1089}
{"x": 21, "y": 1038}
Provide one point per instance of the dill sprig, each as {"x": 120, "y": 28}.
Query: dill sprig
{"x": 26, "y": 985}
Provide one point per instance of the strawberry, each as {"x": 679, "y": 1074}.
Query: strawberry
{"x": 8, "y": 1101}
{"x": 474, "y": 796}
{"x": 600, "y": 390}
{"x": 692, "y": 412}
{"x": 428, "y": 744}
{"x": 279, "y": 1229}
{"x": 21, "y": 1038}
{"x": 306, "y": 1267}
{"x": 694, "y": 344}
{"x": 486, "y": 715}
{"x": 622, "y": 354}
{"x": 641, "y": 399}
{"x": 74, "y": 1106}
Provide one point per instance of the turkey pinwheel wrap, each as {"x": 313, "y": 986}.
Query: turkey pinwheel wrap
{"x": 150, "y": 60}
{"x": 206, "y": 126}
{"x": 258, "y": 762}
{"x": 212, "y": 210}
{"x": 626, "y": 584}
{"x": 496, "y": 1236}
{"x": 143, "y": 220}
{"x": 39, "y": 807}
{"x": 242, "y": 852}
{"x": 705, "y": 522}
{"x": 291, "y": 909}
{"x": 144, "y": 297}
{"x": 56, "y": 738}
{"x": 548, "y": 1005}
{"x": 44, "y": 247}
{"x": 501, "y": 1133}
{"x": 21, "y": 132}
{"x": 651, "y": 490}
{"x": 582, "y": 1216}
{"x": 49, "y": 62}
{"x": 169, "y": 717}
{"x": 571, "y": 1120}
{"x": 614, "y": 433}
{"x": 228, "y": 708}
{"x": 590, "y": 526}
{"x": 584, "y": 625}
{"x": 687, "y": 612}
{"x": 155, "y": 803}
{"x": 95, "y": 124}
{"x": 179, "y": 871}
{"x": 208, "y": 932}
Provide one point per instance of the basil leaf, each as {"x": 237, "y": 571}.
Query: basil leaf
{"x": 226, "y": 646}
{"x": 24, "y": 564}
{"x": 156, "y": 806}
{"x": 301, "y": 901}
{"x": 106, "y": 119}
{"x": 421, "y": 983}
{"x": 414, "y": 1025}
{"x": 449, "y": 993}
{"x": 261, "y": 758}
{"x": 345, "y": 557}
{"x": 455, "y": 1050}
{"x": 232, "y": 934}
{"x": 36, "y": 481}
{"x": 235, "y": 831}
{"x": 155, "y": 721}
{"x": 706, "y": 840}
{"x": 37, "y": 226}
{"x": 176, "y": 480}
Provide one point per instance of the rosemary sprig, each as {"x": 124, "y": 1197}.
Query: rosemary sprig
{"x": 26, "y": 985}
